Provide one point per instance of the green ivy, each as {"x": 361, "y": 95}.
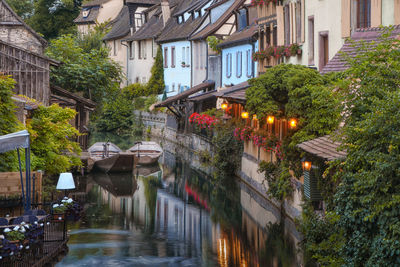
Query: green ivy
{"x": 8, "y": 121}
{"x": 293, "y": 91}
{"x": 213, "y": 43}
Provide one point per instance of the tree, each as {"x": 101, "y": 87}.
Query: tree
{"x": 8, "y": 120}
{"x": 24, "y": 8}
{"x": 52, "y": 139}
{"x": 91, "y": 72}
{"x": 368, "y": 197}
{"x": 156, "y": 83}
{"x": 362, "y": 227}
{"x": 52, "y": 18}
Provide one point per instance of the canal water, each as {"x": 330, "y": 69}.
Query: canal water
{"x": 170, "y": 214}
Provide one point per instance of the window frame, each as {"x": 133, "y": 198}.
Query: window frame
{"x": 173, "y": 57}
{"x": 311, "y": 40}
{"x": 165, "y": 57}
{"x": 249, "y": 64}
{"x": 228, "y": 65}
{"x": 239, "y": 64}
{"x": 132, "y": 50}
{"x": 363, "y": 19}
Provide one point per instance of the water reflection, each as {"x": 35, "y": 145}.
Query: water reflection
{"x": 171, "y": 215}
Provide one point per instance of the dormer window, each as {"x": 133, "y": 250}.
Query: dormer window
{"x": 180, "y": 19}
{"x": 199, "y": 12}
{"x": 85, "y": 13}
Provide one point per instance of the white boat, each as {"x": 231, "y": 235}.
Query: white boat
{"x": 107, "y": 157}
{"x": 146, "y": 152}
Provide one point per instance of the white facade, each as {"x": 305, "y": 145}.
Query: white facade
{"x": 199, "y": 68}
{"x": 141, "y": 59}
{"x": 118, "y": 53}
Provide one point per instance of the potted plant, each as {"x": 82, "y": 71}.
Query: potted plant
{"x": 59, "y": 212}
{"x": 183, "y": 64}
{"x": 16, "y": 235}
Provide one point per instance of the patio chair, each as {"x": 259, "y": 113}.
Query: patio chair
{"x": 3, "y": 221}
{"x": 27, "y": 219}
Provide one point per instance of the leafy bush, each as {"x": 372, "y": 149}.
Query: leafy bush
{"x": 8, "y": 121}
{"x": 53, "y": 139}
{"x": 213, "y": 43}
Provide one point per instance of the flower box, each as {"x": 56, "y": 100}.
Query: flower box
{"x": 58, "y": 217}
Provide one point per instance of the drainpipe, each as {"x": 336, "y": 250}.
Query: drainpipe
{"x": 127, "y": 61}
{"x": 191, "y": 63}
{"x": 206, "y": 60}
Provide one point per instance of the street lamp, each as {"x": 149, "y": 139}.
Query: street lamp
{"x": 65, "y": 182}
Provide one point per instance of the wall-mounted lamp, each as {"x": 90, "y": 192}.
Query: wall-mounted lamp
{"x": 270, "y": 119}
{"x": 306, "y": 165}
{"x": 224, "y": 105}
{"x": 292, "y": 123}
{"x": 245, "y": 115}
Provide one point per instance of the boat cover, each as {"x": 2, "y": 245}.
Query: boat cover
{"x": 14, "y": 140}
{"x": 146, "y": 146}
{"x": 99, "y": 147}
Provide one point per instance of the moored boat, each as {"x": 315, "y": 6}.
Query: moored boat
{"x": 107, "y": 157}
{"x": 146, "y": 152}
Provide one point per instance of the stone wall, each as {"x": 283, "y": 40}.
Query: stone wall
{"x": 189, "y": 145}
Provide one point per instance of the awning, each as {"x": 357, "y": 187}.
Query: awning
{"x": 185, "y": 94}
{"x": 14, "y": 140}
{"x": 323, "y": 147}
{"x": 203, "y": 96}
{"x": 235, "y": 93}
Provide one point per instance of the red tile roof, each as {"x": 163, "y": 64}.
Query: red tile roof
{"x": 338, "y": 62}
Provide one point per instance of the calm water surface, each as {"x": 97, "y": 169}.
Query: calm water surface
{"x": 171, "y": 215}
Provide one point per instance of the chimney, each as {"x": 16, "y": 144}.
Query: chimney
{"x": 166, "y": 12}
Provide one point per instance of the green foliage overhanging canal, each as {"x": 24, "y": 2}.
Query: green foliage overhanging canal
{"x": 362, "y": 226}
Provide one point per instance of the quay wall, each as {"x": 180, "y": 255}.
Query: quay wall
{"x": 164, "y": 127}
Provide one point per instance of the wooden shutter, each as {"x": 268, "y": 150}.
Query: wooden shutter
{"x": 311, "y": 190}
{"x": 396, "y": 12}
{"x": 376, "y": 13}
{"x": 346, "y": 11}
{"x": 281, "y": 25}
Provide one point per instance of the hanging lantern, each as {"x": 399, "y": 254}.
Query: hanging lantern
{"x": 254, "y": 117}
{"x": 245, "y": 115}
{"x": 306, "y": 165}
{"x": 293, "y": 123}
{"x": 224, "y": 106}
{"x": 270, "y": 119}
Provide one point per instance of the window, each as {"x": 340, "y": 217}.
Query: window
{"x": 173, "y": 87}
{"x": 144, "y": 49}
{"x": 85, "y": 12}
{"x": 363, "y": 13}
{"x": 287, "y": 24}
{"x": 311, "y": 40}
{"x": 173, "y": 59}
{"x": 249, "y": 64}
{"x": 180, "y": 88}
{"x": 323, "y": 49}
{"x": 268, "y": 35}
{"x": 183, "y": 55}
{"x": 239, "y": 64}
{"x": 140, "y": 43}
{"x": 144, "y": 80}
{"x": 275, "y": 35}
{"x": 165, "y": 57}
{"x": 228, "y": 65}
{"x": 242, "y": 19}
{"x": 298, "y": 22}
{"x": 155, "y": 47}
{"x": 187, "y": 56}
{"x": 132, "y": 50}
{"x": 138, "y": 20}
{"x": 115, "y": 47}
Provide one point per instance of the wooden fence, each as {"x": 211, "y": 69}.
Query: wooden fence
{"x": 10, "y": 184}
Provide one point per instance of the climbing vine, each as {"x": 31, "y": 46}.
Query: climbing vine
{"x": 292, "y": 91}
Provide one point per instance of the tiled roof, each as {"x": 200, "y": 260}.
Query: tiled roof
{"x": 245, "y": 35}
{"x": 203, "y": 96}
{"x": 188, "y": 6}
{"x": 150, "y": 2}
{"x": 323, "y": 147}
{"x": 174, "y": 31}
{"x": 338, "y": 62}
{"x": 149, "y": 30}
{"x": 94, "y": 3}
{"x": 235, "y": 93}
{"x": 185, "y": 94}
{"x": 121, "y": 26}
{"x": 213, "y": 27}
{"x": 94, "y": 12}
